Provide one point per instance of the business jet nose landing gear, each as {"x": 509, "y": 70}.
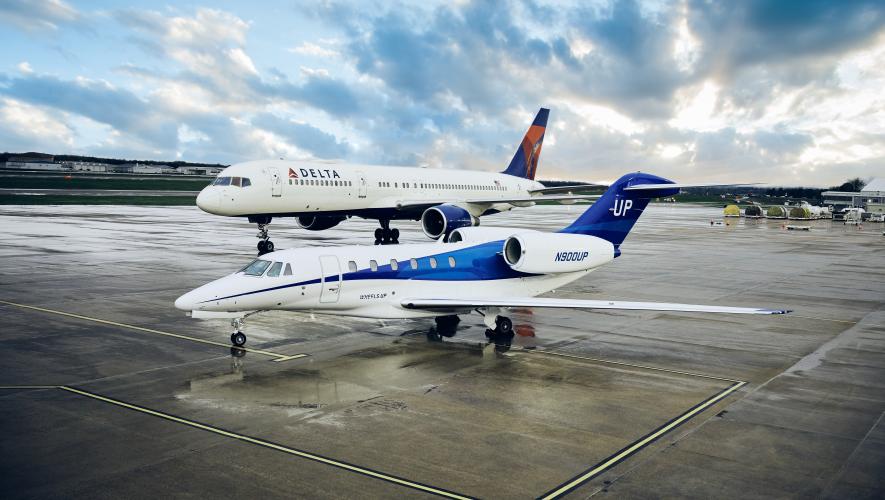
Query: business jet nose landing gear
{"x": 264, "y": 245}
{"x": 386, "y": 236}
{"x": 238, "y": 338}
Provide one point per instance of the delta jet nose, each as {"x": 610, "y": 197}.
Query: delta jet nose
{"x": 209, "y": 200}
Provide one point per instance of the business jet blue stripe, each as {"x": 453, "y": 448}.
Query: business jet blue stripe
{"x": 478, "y": 263}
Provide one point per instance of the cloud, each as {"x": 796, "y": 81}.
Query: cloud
{"x": 32, "y": 128}
{"x": 320, "y": 144}
{"x": 37, "y": 15}
{"x": 94, "y": 99}
{"x": 312, "y": 49}
{"x": 685, "y": 88}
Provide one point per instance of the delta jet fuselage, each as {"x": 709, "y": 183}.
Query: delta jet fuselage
{"x": 281, "y": 188}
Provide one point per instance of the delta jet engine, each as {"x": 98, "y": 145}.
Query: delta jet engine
{"x": 545, "y": 253}
{"x": 443, "y": 219}
{"x": 318, "y": 222}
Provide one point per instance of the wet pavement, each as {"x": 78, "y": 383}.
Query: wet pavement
{"x": 108, "y": 391}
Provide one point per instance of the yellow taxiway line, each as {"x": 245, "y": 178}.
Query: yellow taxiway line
{"x": 279, "y": 357}
{"x": 625, "y": 453}
{"x": 274, "y": 446}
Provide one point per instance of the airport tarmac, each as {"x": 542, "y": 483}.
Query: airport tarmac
{"x": 108, "y": 391}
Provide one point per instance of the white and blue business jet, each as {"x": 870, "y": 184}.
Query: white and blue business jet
{"x": 479, "y": 269}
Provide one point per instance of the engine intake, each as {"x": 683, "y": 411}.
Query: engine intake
{"x": 318, "y": 223}
{"x": 443, "y": 219}
{"x": 543, "y": 253}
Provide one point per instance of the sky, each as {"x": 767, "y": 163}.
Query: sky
{"x": 783, "y": 92}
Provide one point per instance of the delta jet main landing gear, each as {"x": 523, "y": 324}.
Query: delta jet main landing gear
{"x": 386, "y": 236}
{"x": 264, "y": 245}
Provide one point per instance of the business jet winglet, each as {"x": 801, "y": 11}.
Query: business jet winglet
{"x": 479, "y": 269}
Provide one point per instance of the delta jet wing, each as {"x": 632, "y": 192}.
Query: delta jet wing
{"x": 532, "y": 302}
{"x": 513, "y": 200}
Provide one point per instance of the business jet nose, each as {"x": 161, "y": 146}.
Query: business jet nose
{"x": 209, "y": 200}
{"x": 187, "y": 302}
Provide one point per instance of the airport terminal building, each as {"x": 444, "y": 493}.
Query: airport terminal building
{"x": 871, "y": 198}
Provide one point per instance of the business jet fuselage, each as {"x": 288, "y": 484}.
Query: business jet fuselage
{"x": 479, "y": 269}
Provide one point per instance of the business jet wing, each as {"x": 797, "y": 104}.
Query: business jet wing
{"x": 531, "y": 302}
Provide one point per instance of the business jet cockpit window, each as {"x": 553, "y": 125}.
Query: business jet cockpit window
{"x": 232, "y": 181}
{"x": 256, "y": 267}
{"x": 275, "y": 269}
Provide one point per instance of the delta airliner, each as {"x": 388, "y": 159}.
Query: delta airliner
{"x": 320, "y": 195}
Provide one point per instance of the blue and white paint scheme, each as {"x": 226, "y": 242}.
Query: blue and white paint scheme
{"x": 479, "y": 269}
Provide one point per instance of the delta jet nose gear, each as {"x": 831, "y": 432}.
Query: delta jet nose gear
{"x": 264, "y": 243}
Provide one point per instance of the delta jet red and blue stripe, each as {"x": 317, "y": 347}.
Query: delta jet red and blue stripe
{"x": 478, "y": 269}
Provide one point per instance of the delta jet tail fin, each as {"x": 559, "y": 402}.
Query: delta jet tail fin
{"x": 525, "y": 161}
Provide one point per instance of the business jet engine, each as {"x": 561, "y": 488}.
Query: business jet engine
{"x": 482, "y": 234}
{"x": 543, "y": 253}
{"x": 443, "y": 219}
{"x": 318, "y": 222}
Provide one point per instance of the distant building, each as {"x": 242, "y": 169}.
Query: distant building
{"x": 139, "y": 168}
{"x": 33, "y": 161}
{"x": 874, "y": 196}
{"x": 87, "y": 166}
{"x": 199, "y": 170}
{"x": 871, "y": 198}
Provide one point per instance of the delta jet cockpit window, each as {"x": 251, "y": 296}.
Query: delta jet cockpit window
{"x": 232, "y": 181}
{"x": 255, "y": 268}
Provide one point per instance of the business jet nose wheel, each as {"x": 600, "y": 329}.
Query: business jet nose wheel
{"x": 386, "y": 236}
{"x": 238, "y": 338}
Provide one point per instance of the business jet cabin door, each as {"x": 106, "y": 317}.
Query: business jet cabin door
{"x": 331, "y": 279}
{"x": 276, "y": 182}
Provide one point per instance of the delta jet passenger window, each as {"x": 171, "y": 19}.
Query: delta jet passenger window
{"x": 433, "y": 263}
{"x": 274, "y": 271}
{"x": 394, "y": 264}
{"x": 373, "y": 265}
{"x": 352, "y": 266}
{"x": 414, "y": 263}
{"x": 255, "y": 268}
{"x": 451, "y": 262}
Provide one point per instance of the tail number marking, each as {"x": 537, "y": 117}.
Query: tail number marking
{"x": 570, "y": 256}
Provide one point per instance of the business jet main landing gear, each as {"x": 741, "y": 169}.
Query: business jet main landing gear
{"x": 386, "y": 236}
{"x": 264, "y": 245}
{"x": 500, "y": 328}
{"x": 238, "y": 338}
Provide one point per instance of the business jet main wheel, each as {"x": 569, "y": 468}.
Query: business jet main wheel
{"x": 503, "y": 325}
{"x": 238, "y": 339}
{"x": 394, "y": 236}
